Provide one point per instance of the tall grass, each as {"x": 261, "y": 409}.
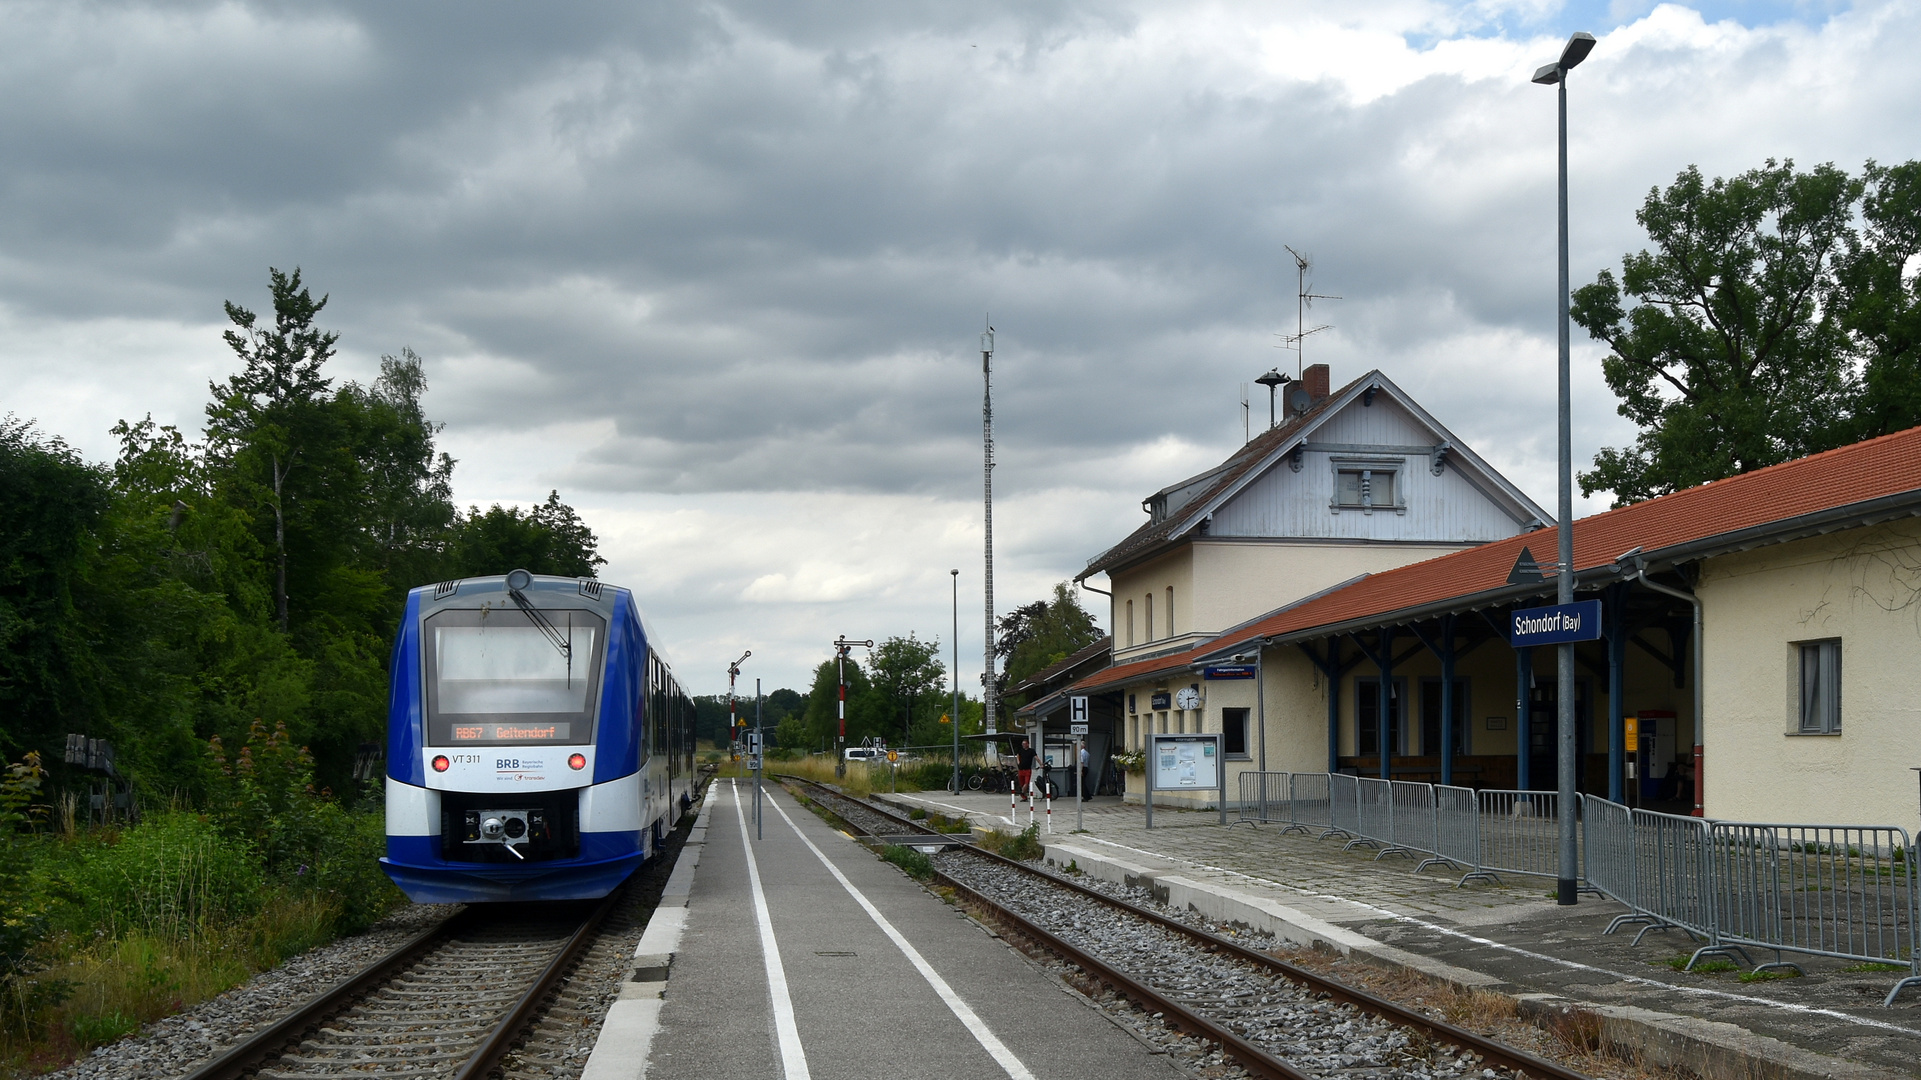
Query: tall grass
{"x": 148, "y": 920}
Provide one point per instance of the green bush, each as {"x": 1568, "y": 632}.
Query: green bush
{"x": 915, "y": 862}
{"x": 175, "y": 875}
{"x": 1024, "y": 845}
{"x": 23, "y": 921}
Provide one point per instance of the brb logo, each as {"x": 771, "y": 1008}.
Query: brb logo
{"x": 507, "y": 763}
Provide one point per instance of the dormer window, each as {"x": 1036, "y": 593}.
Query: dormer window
{"x": 1367, "y": 486}
{"x": 1365, "y": 489}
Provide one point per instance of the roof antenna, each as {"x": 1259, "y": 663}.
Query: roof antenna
{"x": 1303, "y": 299}
{"x": 1246, "y": 437}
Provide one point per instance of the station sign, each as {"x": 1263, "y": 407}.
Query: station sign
{"x": 1228, "y": 671}
{"x": 1161, "y": 699}
{"x": 1556, "y": 625}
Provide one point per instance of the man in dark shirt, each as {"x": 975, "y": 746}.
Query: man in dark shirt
{"x": 1026, "y": 767}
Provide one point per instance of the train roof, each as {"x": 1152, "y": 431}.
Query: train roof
{"x": 550, "y": 584}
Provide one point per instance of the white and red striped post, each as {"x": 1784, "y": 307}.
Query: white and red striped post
{"x": 1049, "y": 794}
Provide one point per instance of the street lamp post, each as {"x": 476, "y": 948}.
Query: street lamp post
{"x": 955, "y": 715}
{"x": 1566, "y": 883}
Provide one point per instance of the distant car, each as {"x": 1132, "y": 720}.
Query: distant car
{"x": 864, "y": 753}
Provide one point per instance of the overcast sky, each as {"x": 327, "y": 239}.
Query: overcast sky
{"x": 717, "y": 271}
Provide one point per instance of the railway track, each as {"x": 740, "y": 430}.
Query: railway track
{"x": 489, "y": 992}
{"x": 1270, "y": 1017}
{"x": 451, "y": 1002}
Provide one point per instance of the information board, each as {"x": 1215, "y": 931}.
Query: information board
{"x": 1187, "y": 761}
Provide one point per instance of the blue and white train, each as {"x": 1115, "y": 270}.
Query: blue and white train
{"x": 538, "y": 746}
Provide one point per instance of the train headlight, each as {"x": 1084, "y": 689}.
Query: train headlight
{"x": 578, "y": 761}
{"x": 441, "y": 763}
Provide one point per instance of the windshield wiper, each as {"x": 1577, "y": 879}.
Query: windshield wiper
{"x": 552, "y": 633}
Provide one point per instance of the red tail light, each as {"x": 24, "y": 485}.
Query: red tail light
{"x": 441, "y": 763}
{"x": 578, "y": 761}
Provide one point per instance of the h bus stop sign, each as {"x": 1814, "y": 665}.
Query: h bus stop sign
{"x": 1077, "y": 715}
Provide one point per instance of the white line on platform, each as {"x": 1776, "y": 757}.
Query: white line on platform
{"x": 1009, "y": 1063}
{"x": 793, "y": 1057}
{"x": 1572, "y": 965}
{"x": 964, "y": 811}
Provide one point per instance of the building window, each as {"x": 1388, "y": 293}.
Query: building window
{"x": 1431, "y": 717}
{"x": 1820, "y": 687}
{"x": 1367, "y": 716}
{"x": 1170, "y": 611}
{"x": 1367, "y": 485}
{"x": 1130, "y": 622}
{"x": 1149, "y": 609}
{"x": 1234, "y": 732}
{"x": 1365, "y": 489}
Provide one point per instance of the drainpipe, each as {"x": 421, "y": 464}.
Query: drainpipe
{"x": 1260, "y": 701}
{"x": 1700, "y": 726}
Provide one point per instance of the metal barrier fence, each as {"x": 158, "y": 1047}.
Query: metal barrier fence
{"x": 1520, "y": 832}
{"x": 1607, "y": 834}
{"x": 1412, "y": 819}
{"x": 1308, "y": 807}
{"x": 1343, "y": 806}
{"x": 1838, "y": 891}
{"x": 1457, "y": 833}
{"x": 1673, "y": 874}
{"x": 1842, "y": 891}
{"x": 1264, "y": 796}
{"x": 1374, "y": 814}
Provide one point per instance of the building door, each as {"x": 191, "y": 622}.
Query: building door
{"x": 1543, "y": 753}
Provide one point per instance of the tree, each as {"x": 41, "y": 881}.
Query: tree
{"x": 908, "y": 681}
{"x": 407, "y": 508}
{"x": 1039, "y": 635}
{"x": 51, "y": 504}
{"x": 1878, "y": 296}
{"x": 1778, "y": 316}
{"x": 549, "y": 539}
{"x": 866, "y": 712}
{"x": 269, "y": 414}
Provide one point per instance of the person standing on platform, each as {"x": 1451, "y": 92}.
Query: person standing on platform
{"x": 1024, "y": 764}
{"x": 1086, "y": 794}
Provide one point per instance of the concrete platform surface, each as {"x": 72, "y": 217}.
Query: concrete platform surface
{"x": 1511, "y": 937}
{"x": 866, "y": 974}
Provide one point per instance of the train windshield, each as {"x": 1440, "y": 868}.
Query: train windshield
{"x": 496, "y": 677}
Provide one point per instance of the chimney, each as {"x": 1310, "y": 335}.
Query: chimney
{"x": 1315, "y": 380}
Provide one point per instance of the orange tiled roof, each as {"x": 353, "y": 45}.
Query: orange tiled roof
{"x": 1761, "y": 505}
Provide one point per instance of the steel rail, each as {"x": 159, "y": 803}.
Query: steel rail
{"x": 910, "y": 823}
{"x": 260, "y": 1049}
{"x": 1251, "y": 1057}
{"x": 1494, "y": 1053}
{"x": 501, "y": 1039}
{"x": 266, "y": 1043}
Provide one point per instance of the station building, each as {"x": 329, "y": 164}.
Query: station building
{"x": 1805, "y": 579}
{"x": 1350, "y": 482}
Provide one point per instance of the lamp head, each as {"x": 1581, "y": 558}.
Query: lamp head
{"x": 1575, "y": 51}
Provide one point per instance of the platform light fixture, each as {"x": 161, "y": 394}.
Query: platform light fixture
{"x": 1567, "y": 883}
